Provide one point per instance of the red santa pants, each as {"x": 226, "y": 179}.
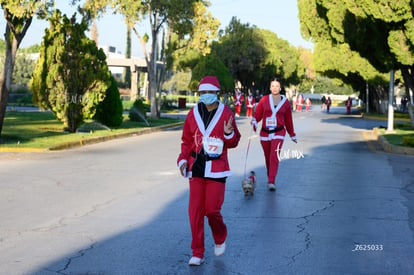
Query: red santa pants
{"x": 237, "y": 109}
{"x": 206, "y": 199}
{"x": 271, "y": 150}
{"x": 249, "y": 111}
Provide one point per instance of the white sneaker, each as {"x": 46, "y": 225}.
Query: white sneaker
{"x": 195, "y": 261}
{"x": 271, "y": 186}
{"x": 219, "y": 249}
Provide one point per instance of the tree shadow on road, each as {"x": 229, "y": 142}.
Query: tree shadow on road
{"x": 162, "y": 244}
{"x": 268, "y": 232}
{"x": 355, "y": 122}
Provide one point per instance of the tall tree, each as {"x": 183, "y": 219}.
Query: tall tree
{"x": 183, "y": 52}
{"x": 257, "y": 55}
{"x": 71, "y": 77}
{"x": 380, "y": 31}
{"x": 306, "y": 57}
{"x": 333, "y": 56}
{"x": 19, "y": 15}
{"x": 391, "y": 23}
{"x": 127, "y": 70}
{"x": 177, "y": 15}
{"x": 283, "y": 57}
{"x": 94, "y": 32}
{"x": 241, "y": 50}
{"x": 212, "y": 65}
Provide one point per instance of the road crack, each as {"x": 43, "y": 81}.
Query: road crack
{"x": 79, "y": 254}
{"x": 302, "y": 230}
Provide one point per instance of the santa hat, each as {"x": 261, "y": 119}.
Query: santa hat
{"x": 209, "y": 83}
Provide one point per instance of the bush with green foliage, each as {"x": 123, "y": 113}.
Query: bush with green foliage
{"x": 408, "y": 141}
{"x": 71, "y": 76}
{"x": 23, "y": 69}
{"x": 138, "y": 111}
{"x": 109, "y": 111}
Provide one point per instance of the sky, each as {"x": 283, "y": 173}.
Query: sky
{"x": 279, "y": 16}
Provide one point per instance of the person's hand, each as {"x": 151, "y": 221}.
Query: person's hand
{"x": 228, "y": 126}
{"x": 183, "y": 169}
{"x": 254, "y": 125}
{"x": 294, "y": 139}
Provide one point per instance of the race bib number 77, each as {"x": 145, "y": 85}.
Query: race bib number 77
{"x": 213, "y": 147}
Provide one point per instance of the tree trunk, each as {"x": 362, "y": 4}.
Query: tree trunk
{"x": 152, "y": 87}
{"x": 12, "y": 41}
{"x": 377, "y": 99}
{"x": 408, "y": 76}
{"x": 6, "y": 75}
{"x": 411, "y": 113}
{"x": 152, "y": 70}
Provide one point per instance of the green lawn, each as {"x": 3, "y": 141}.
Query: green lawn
{"x": 403, "y": 135}
{"x": 42, "y": 130}
{"x": 397, "y": 116}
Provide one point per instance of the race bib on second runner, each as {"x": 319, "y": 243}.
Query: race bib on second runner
{"x": 271, "y": 122}
{"x": 213, "y": 147}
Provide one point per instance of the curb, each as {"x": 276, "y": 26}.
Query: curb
{"x": 390, "y": 148}
{"x": 88, "y": 141}
{"x": 23, "y": 150}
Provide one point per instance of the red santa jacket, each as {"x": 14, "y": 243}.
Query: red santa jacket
{"x": 192, "y": 141}
{"x": 250, "y": 101}
{"x": 238, "y": 98}
{"x": 267, "y": 112}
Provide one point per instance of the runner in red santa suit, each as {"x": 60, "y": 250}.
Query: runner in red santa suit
{"x": 249, "y": 105}
{"x": 348, "y": 104}
{"x": 328, "y": 104}
{"x": 308, "y": 103}
{"x": 238, "y": 100}
{"x": 208, "y": 132}
{"x": 299, "y": 103}
{"x": 276, "y": 115}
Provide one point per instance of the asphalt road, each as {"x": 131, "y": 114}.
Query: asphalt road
{"x": 120, "y": 207}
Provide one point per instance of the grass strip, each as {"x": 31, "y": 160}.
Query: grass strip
{"x": 41, "y": 130}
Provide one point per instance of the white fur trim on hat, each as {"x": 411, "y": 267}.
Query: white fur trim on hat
{"x": 207, "y": 87}
{"x": 209, "y": 83}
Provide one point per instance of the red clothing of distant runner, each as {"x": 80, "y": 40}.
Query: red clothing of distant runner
{"x": 308, "y": 103}
{"x": 250, "y": 101}
{"x": 299, "y": 103}
{"x": 238, "y": 100}
{"x": 348, "y": 104}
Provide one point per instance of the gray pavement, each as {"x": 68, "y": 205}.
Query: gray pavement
{"x": 120, "y": 207}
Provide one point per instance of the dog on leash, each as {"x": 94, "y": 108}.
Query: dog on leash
{"x": 249, "y": 184}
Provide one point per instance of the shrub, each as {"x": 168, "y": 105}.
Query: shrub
{"x": 137, "y": 111}
{"x": 408, "y": 141}
{"x": 25, "y": 100}
{"x": 20, "y": 89}
{"x": 109, "y": 111}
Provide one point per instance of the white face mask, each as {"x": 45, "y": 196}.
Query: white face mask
{"x": 208, "y": 99}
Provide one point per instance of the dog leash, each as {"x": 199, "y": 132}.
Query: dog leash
{"x": 247, "y": 153}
